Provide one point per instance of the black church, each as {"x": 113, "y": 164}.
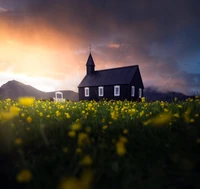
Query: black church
{"x": 124, "y": 83}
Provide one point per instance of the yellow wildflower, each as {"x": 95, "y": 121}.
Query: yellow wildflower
{"x": 114, "y": 115}
{"x": 70, "y": 183}
{"x": 74, "y": 183}
{"x": 83, "y": 138}
{"x": 159, "y": 120}
{"x": 141, "y": 113}
{"x": 120, "y": 148}
{"x": 125, "y": 131}
{"x": 67, "y": 115}
{"x": 58, "y": 113}
{"x": 26, "y": 101}
{"x": 76, "y": 126}
{"x": 18, "y": 141}
{"x": 24, "y": 176}
{"x": 14, "y": 110}
{"x": 87, "y": 160}
{"x": 104, "y": 127}
{"x": 72, "y": 133}
{"x": 166, "y": 110}
{"x": 78, "y": 150}
{"x": 41, "y": 114}
{"x": 192, "y": 120}
{"x": 176, "y": 115}
{"x": 186, "y": 115}
{"x": 29, "y": 119}
{"x": 143, "y": 99}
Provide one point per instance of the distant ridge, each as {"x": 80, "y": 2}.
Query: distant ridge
{"x": 152, "y": 94}
{"x": 15, "y": 89}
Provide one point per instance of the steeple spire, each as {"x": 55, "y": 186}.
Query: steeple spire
{"x": 90, "y": 64}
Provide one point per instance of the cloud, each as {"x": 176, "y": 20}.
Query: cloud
{"x": 157, "y": 35}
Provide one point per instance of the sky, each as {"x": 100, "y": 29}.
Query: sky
{"x": 45, "y": 43}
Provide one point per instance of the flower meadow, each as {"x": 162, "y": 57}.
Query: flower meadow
{"x": 100, "y": 145}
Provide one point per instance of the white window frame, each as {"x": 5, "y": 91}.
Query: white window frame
{"x": 140, "y": 93}
{"x": 115, "y": 90}
{"x": 87, "y": 91}
{"x": 132, "y": 90}
{"x": 99, "y": 91}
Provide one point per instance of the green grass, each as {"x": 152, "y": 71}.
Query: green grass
{"x": 160, "y": 152}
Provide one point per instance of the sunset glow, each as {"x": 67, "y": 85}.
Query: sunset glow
{"x": 46, "y": 43}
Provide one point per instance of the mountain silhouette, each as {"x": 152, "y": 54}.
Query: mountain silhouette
{"x": 152, "y": 94}
{"x": 15, "y": 89}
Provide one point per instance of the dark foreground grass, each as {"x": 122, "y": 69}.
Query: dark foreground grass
{"x": 115, "y": 148}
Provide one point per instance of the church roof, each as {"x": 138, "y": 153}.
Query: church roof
{"x": 114, "y": 76}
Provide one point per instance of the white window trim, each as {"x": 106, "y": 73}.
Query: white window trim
{"x": 99, "y": 89}
{"x": 115, "y": 87}
{"x": 132, "y": 90}
{"x": 87, "y": 89}
{"x": 140, "y": 93}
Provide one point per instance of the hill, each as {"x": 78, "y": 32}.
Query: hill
{"x": 152, "y": 94}
{"x": 15, "y": 89}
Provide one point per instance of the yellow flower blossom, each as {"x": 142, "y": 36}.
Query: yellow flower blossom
{"x": 166, "y": 110}
{"x": 114, "y": 115}
{"x": 125, "y": 131}
{"x": 186, "y": 115}
{"x": 104, "y": 127}
{"x": 83, "y": 139}
{"x": 176, "y": 115}
{"x": 26, "y": 101}
{"x": 192, "y": 120}
{"x": 14, "y": 110}
{"x": 87, "y": 160}
{"x": 78, "y": 150}
{"x": 24, "y": 176}
{"x": 83, "y": 182}
{"x": 143, "y": 99}
{"x": 72, "y": 133}
{"x": 141, "y": 113}
{"x": 159, "y": 120}
{"x": 29, "y": 119}
{"x": 120, "y": 148}
{"x": 58, "y": 113}
{"x": 18, "y": 141}
{"x": 67, "y": 115}
{"x": 76, "y": 126}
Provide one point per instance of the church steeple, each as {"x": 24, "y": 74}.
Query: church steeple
{"x": 90, "y": 64}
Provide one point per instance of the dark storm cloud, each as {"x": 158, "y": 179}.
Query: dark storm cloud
{"x": 156, "y": 34}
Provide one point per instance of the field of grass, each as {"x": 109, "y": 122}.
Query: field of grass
{"x": 100, "y": 145}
